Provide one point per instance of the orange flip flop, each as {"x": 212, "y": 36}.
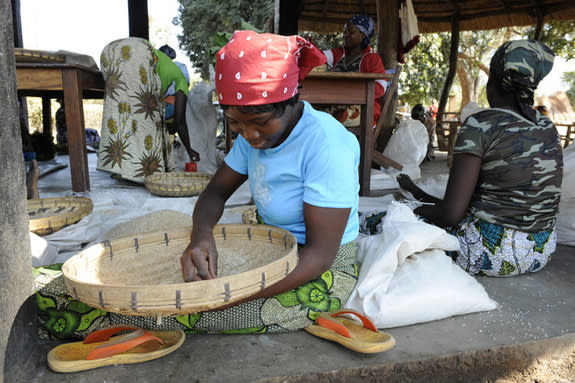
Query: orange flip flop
{"x": 361, "y": 336}
{"x": 99, "y": 349}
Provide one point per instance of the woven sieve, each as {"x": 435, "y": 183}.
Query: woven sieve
{"x": 142, "y": 275}
{"x": 177, "y": 184}
{"x": 48, "y": 215}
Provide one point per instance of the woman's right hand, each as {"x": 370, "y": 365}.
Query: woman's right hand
{"x": 200, "y": 259}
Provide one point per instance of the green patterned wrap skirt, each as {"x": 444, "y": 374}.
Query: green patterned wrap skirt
{"x": 62, "y": 317}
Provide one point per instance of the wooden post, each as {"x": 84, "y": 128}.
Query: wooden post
{"x": 46, "y": 115}
{"x": 138, "y": 18}
{"x": 387, "y": 31}
{"x": 452, "y": 67}
{"x": 539, "y": 26}
{"x": 286, "y": 20}
{"x": 387, "y": 40}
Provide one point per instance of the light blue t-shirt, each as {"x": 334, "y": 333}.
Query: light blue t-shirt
{"x": 316, "y": 164}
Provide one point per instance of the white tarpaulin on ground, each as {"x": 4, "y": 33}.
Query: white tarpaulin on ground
{"x": 405, "y": 276}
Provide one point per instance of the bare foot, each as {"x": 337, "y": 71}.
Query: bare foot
{"x": 32, "y": 180}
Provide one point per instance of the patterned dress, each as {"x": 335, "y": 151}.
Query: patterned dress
{"x": 510, "y": 225}
{"x": 134, "y": 142}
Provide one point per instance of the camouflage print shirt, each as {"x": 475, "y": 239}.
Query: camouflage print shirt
{"x": 519, "y": 183}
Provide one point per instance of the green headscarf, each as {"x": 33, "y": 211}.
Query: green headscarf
{"x": 520, "y": 65}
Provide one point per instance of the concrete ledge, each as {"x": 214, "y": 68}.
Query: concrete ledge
{"x": 532, "y": 332}
{"x": 549, "y": 360}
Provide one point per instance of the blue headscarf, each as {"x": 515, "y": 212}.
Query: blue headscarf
{"x": 366, "y": 25}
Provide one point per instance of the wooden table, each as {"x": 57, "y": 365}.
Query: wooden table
{"x": 352, "y": 89}
{"x": 75, "y": 82}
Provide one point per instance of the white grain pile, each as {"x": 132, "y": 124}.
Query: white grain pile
{"x": 155, "y": 221}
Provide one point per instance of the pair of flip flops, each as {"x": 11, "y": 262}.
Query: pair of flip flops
{"x": 101, "y": 349}
{"x": 360, "y": 336}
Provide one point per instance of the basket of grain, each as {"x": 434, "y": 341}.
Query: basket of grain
{"x": 176, "y": 184}
{"x": 48, "y": 215}
{"x": 142, "y": 275}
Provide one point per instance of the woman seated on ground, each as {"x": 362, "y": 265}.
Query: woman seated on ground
{"x": 134, "y": 140}
{"x": 356, "y": 56}
{"x": 504, "y": 186}
{"x": 302, "y": 166}
{"x": 292, "y": 156}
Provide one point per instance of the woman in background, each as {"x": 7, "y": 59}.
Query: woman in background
{"x": 134, "y": 140}
{"x": 504, "y": 186}
{"x": 355, "y": 55}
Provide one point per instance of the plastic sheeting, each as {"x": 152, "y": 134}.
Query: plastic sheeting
{"x": 405, "y": 276}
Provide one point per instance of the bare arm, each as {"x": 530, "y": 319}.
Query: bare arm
{"x": 199, "y": 260}
{"x": 324, "y": 229}
{"x": 462, "y": 181}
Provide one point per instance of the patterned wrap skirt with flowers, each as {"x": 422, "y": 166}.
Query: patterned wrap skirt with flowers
{"x": 134, "y": 142}
{"x": 62, "y": 317}
{"x": 488, "y": 249}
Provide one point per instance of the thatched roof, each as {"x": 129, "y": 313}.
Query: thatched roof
{"x": 436, "y": 15}
{"x": 559, "y": 108}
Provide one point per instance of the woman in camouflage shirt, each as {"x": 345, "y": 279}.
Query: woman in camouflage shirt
{"x": 504, "y": 187}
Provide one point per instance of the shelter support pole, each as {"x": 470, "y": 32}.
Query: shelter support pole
{"x": 387, "y": 43}
{"x": 138, "y": 18}
{"x": 453, "y": 54}
{"x": 286, "y": 17}
{"x": 539, "y": 26}
{"x": 18, "y": 332}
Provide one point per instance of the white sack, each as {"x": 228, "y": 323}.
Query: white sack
{"x": 408, "y": 146}
{"x": 565, "y": 225}
{"x": 202, "y": 121}
{"x": 405, "y": 276}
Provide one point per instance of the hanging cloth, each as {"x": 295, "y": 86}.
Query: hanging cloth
{"x": 409, "y": 31}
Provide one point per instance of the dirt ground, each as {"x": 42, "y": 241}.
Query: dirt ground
{"x": 559, "y": 369}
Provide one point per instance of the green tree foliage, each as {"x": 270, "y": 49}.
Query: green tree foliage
{"x": 569, "y": 79}
{"x": 425, "y": 69}
{"x": 559, "y": 36}
{"x": 203, "y": 20}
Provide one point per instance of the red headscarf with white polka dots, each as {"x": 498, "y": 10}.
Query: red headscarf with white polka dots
{"x": 263, "y": 68}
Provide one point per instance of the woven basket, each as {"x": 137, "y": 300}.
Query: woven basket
{"x": 177, "y": 184}
{"x": 142, "y": 275}
{"x": 48, "y": 215}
